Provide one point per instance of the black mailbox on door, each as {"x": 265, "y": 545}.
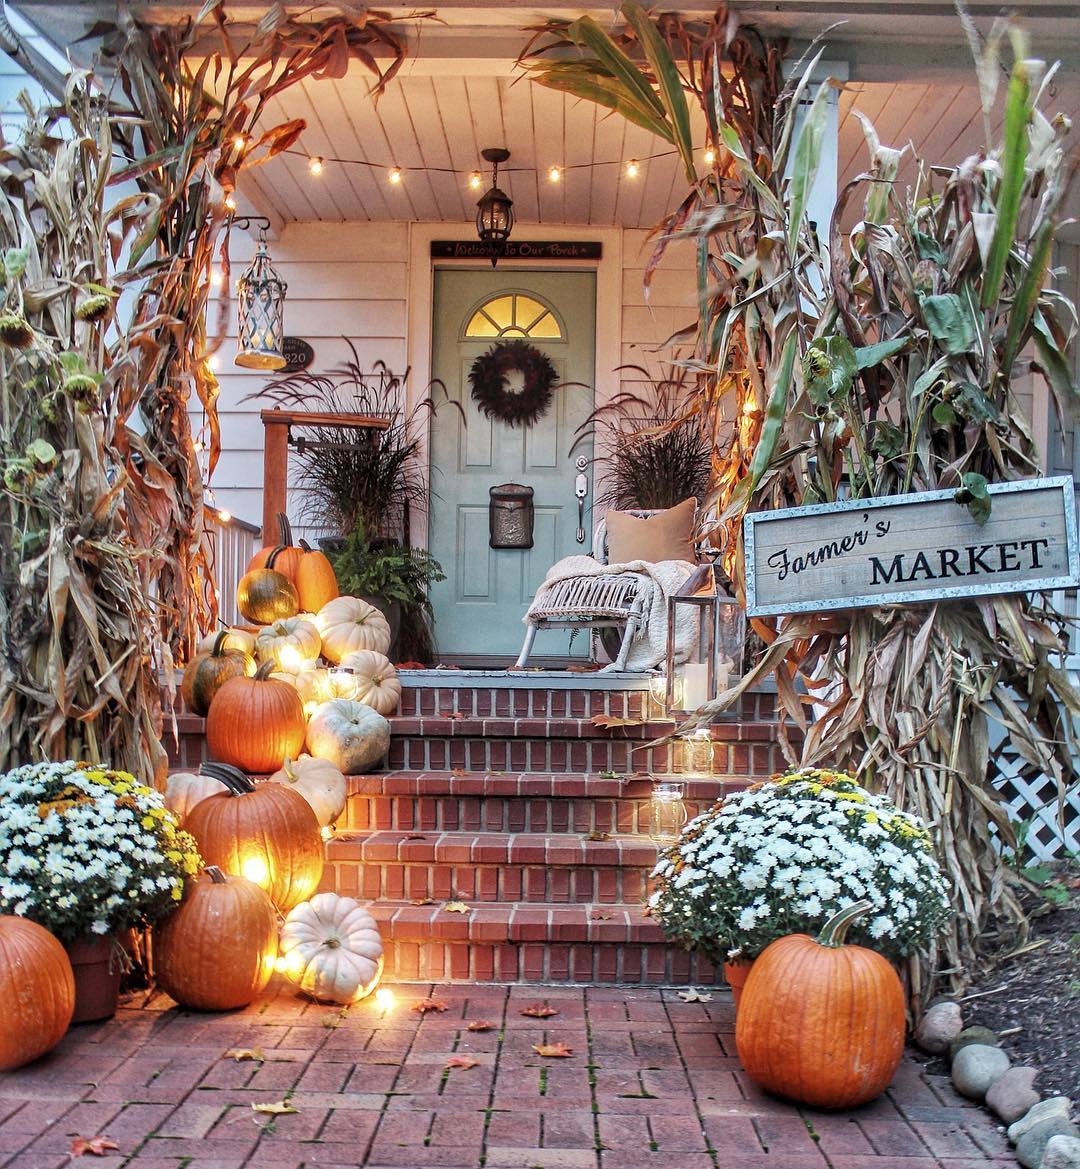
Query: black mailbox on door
{"x": 510, "y": 516}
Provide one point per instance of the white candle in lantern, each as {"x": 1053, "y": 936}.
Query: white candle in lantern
{"x": 695, "y": 680}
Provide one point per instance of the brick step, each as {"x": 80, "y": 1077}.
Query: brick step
{"x": 492, "y": 866}
{"x": 613, "y": 944}
{"x": 449, "y": 801}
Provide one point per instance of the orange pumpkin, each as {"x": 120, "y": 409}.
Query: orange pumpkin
{"x": 216, "y": 951}
{"x": 315, "y": 579}
{"x": 820, "y": 1022}
{"x": 208, "y": 671}
{"x": 256, "y": 723}
{"x": 37, "y": 989}
{"x": 266, "y": 833}
{"x": 282, "y": 556}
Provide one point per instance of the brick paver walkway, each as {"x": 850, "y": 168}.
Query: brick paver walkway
{"x": 653, "y": 1083}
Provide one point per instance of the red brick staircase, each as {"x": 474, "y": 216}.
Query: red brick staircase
{"x": 503, "y": 796}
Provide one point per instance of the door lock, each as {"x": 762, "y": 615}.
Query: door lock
{"x": 581, "y": 489}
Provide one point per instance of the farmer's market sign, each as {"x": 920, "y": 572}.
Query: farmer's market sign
{"x": 911, "y": 548}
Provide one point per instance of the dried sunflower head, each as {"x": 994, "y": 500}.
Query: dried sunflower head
{"x": 94, "y": 308}
{"x": 82, "y": 389}
{"x": 19, "y": 475}
{"x": 14, "y": 331}
{"x": 42, "y": 455}
{"x": 51, "y": 406}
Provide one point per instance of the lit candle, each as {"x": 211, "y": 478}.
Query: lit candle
{"x": 695, "y": 679}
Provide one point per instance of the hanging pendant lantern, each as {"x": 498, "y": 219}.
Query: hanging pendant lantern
{"x": 261, "y": 319}
{"x": 495, "y": 209}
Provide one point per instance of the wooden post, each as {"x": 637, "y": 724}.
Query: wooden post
{"x": 275, "y": 471}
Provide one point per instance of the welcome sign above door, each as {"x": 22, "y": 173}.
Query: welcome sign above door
{"x": 465, "y": 249}
{"x": 911, "y": 548}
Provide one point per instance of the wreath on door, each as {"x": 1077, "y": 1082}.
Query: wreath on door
{"x": 491, "y": 387}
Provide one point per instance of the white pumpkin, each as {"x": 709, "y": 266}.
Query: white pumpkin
{"x": 351, "y": 735}
{"x": 185, "y": 789}
{"x": 319, "y": 782}
{"x": 347, "y": 624}
{"x": 288, "y": 644}
{"x": 242, "y": 640}
{"x": 377, "y": 681}
{"x": 309, "y": 681}
{"x": 331, "y": 948}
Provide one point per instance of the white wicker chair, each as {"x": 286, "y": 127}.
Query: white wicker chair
{"x": 610, "y": 600}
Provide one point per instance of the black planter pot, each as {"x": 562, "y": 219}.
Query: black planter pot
{"x": 332, "y": 545}
{"x": 391, "y": 610}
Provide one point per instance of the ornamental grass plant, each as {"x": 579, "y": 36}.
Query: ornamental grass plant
{"x": 85, "y": 850}
{"x": 782, "y": 857}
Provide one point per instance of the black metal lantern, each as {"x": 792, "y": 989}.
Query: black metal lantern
{"x": 495, "y": 210}
{"x": 261, "y": 314}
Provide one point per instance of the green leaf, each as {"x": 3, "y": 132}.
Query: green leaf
{"x": 867, "y": 356}
{"x": 585, "y": 31}
{"x": 148, "y": 234}
{"x": 1054, "y": 364}
{"x": 928, "y": 247}
{"x": 887, "y": 440}
{"x": 671, "y": 87}
{"x": 829, "y": 368}
{"x": 974, "y": 404}
{"x": 807, "y": 157}
{"x": 1028, "y": 294}
{"x": 1014, "y": 155}
{"x": 604, "y": 91}
{"x": 730, "y": 138}
{"x": 974, "y": 494}
{"x": 943, "y": 414}
{"x": 928, "y": 377}
{"x": 949, "y": 321}
{"x": 774, "y": 415}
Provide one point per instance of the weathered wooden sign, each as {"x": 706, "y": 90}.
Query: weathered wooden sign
{"x": 911, "y": 548}
{"x": 464, "y": 249}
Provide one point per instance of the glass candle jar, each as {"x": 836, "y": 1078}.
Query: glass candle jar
{"x": 667, "y": 812}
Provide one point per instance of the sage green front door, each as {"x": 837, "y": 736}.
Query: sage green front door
{"x": 479, "y": 607}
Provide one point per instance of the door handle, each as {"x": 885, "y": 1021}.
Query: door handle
{"x": 581, "y": 489}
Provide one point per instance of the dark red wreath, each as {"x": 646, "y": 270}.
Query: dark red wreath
{"x": 490, "y": 387}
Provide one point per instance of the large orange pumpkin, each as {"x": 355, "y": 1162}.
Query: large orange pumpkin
{"x": 267, "y": 833}
{"x": 37, "y": 992}
{"x": 208, "y": 671}
{"x": 256, "y": 723}
{"x": 216, "y": 951}
{"x": 820, "y": 1022}
{"x": 284, "y": 554}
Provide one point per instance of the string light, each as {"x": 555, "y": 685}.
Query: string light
{"x": 315, "y": 164}
{"x": 240, "y": 141}
{"x": 710, "y": 156}
{"x": 633, "y": 169}
{"x": 394, "y": 175}
{"x": 198, "y": 444}
{"x": 224, "y": 515}
{"x": 554, "y": 174}
{"x": 217, "y": 278}
{"x": 230, "y": 202}
{"x": 213, "y": 361}
{"x": 475, "y": 180}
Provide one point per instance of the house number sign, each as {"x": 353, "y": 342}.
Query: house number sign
{"x": 911, "y": 549}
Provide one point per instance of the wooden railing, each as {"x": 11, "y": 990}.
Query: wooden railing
{"x": 233, "y": 543}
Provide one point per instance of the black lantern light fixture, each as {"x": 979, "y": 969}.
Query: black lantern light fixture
{"x": 495, "y": 210}
{"x": 260, "y": 334}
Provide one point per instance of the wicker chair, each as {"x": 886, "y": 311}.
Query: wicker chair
{"x": 590, "y": 602}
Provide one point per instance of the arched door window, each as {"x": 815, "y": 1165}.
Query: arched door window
{"x": 514, "y": 314}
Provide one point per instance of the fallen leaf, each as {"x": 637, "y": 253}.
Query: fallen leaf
{"x": 481, "y": 1025}
{"x": 426, "y": 1005}
{"x": 461, "y": 1061}
{"x": 613, "y": 720}
{"x": 594, "y": 835}
{"x": 422, "y": 901}
{"x": 459, "y": 771}
{"x": 95, "y": 1145}
{"x": 540, "y": 1011}
{"x": 694, "y": 996}
{"x": 278, "y": 1108}
{"x": 457, "y": 907}
{"x": 608, "y": 774}
{"x": 582, "y": 667}
{"x": 416, "y": 836}
{"x": 242, "y": 1053}
{"x": 600, "y": 915}
{"x": 553, "y": 1050}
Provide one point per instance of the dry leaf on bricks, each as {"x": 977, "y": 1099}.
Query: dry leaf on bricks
{"x": 426, "y": 1005}
{"x": 278, "y": 1108}
{"x": 694, "y": 996}
{"x": 540, "y": 1011}
{"x": 461, "y": 1061}
{"x": 481, "y": 1025}
{"x": 553, "y": 1050}
{"x": 97, "y": 1146}
{"x": 243, "y": 1053}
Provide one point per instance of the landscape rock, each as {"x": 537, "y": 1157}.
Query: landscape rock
{"x": 1062, "y": 1152}
{"x": 976, "y": 1068}
{"x": 937, "y": 1029}
{"x": 1052, "y": 1108}
{"x": 1012, "y": 1095}
{"x": 1031, "y": 1147}
{"x": 981, "y": 1035}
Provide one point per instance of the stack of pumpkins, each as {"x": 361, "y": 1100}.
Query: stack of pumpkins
{"x": 311, "y": 670}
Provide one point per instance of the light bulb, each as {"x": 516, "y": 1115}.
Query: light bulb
{"x": 240, "y": 141}
{"x": 315, "y": 165}
{"x": 554, "y": 174}
{"x": 290, "y": 659}
{"x": 230, "y": 202}
{"x": 710, "y": 156}
{"x": 475, "y": 180}
{"x": 632, "y": 169}
{"x": 384, "y": 999}
{"x": 256, "y": 870}
{"x": 198, "y": 445}
{"x": 217, "y": 278}
{"x": 213, "y": 361}
{"x": 224, "y": 515}
{"x": 395, "y": 175}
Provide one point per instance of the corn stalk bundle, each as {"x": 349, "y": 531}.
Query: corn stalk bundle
{"x": 887, "y": 359}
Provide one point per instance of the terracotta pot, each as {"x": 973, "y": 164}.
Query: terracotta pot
{"x": 736, "y": 974}
{"x": 97, "y": 963}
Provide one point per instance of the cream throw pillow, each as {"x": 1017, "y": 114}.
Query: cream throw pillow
{"x": 668, "y": 535}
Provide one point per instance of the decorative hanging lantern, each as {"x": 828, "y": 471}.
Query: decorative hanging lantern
{"x": 495, "y": 209}
{"x": 261, "y": 309}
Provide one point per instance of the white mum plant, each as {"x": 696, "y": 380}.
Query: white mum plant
{"x": 85, "y": 850}
{"x": 784, "y": 856}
